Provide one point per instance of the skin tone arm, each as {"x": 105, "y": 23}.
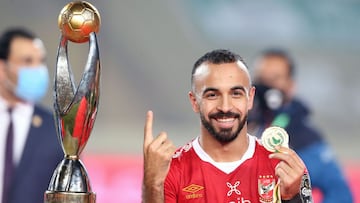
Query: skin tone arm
{"x": 158, "y": 153}
{"x": 290, "y": 171}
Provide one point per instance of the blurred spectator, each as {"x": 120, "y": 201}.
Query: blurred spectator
{"x": 29, "y": 147}
{"x": 276, "y": 104}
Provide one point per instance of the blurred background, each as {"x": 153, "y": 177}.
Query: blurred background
{"x": 147, "y": 52}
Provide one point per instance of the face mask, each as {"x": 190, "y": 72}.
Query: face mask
{"x": 32, "y": 83}
{"x": 269, "y": 98}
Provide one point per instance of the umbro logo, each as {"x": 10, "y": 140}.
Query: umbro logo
{"x": 194, "y": 190}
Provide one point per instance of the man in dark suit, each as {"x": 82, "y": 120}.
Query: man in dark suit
{"x": 29, "y": 149}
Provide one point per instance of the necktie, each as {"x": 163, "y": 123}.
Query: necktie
{"x": 9, "y": 163}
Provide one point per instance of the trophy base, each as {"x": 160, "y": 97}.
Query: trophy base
{"x": 69, "y": 197}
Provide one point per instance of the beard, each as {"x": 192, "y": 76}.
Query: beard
{"x": 224, "y": 135}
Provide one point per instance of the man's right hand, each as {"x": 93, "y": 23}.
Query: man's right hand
{"x": 157, "y": 158}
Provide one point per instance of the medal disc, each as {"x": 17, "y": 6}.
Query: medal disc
{"x": 274, "y": 136}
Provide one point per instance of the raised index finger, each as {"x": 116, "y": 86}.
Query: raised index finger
{"x": 148, "y": 137}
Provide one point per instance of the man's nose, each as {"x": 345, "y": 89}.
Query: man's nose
{"x": 225, "y": 104}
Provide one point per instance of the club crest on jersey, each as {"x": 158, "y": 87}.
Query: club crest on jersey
{"x": 266, "y": 185}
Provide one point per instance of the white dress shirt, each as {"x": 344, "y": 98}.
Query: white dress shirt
{"x": 22, "y": 119}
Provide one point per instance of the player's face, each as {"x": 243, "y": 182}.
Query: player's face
{"x": 222, "y": 97}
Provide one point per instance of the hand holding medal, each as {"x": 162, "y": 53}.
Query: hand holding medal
{"x": 271, "y": 138}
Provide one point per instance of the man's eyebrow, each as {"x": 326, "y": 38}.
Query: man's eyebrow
{"x": 239, "y": 88}
{"x": 232, "y": 89}
{"x": 242, "y": 88}
{"x": 209, "y": 89}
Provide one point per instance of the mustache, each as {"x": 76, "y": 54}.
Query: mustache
{"x": 224, "y": 115}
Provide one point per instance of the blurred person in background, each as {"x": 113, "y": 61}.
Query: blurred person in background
{"x": 29, "y": 149}
{"x": 275, "y": 104}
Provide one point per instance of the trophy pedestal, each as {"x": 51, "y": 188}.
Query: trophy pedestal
{"x": 70, "y": 184}
{"x": 69, "y": 197}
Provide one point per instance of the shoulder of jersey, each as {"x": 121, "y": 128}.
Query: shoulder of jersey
{"x": 260, "y": 146}
{"x": 264, "y": 152}
{"x": 182, "y": 150}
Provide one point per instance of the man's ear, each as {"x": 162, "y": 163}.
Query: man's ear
{"x": 194, "y": 104}
{"x": 251, "y": 97}
{"x": 2, "y": 69}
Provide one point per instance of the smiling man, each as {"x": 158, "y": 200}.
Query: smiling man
{"x": 225, "y": 163}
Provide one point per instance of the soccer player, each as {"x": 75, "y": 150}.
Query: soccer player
{"x": 224, "y": 163}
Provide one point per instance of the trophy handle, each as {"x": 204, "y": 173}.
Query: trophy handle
{"x": 64, "y": 88}
{"x": 76, "y": 109}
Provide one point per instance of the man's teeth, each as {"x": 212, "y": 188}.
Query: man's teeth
{"x": 225, "y": 119}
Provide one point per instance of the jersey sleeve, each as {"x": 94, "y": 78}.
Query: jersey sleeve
{"x": 305, "y": 192}
{"x": 171, "y": 182}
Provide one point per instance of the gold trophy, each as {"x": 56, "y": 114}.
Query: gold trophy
{"x": 75, "y": 107}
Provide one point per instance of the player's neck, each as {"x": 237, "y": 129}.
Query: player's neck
{"x": 225, "y": 152}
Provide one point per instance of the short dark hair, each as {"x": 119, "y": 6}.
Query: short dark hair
{"x": 281, "y": 53}
{"x": 217, "y": 56}
{"x": 9, "y": 35}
